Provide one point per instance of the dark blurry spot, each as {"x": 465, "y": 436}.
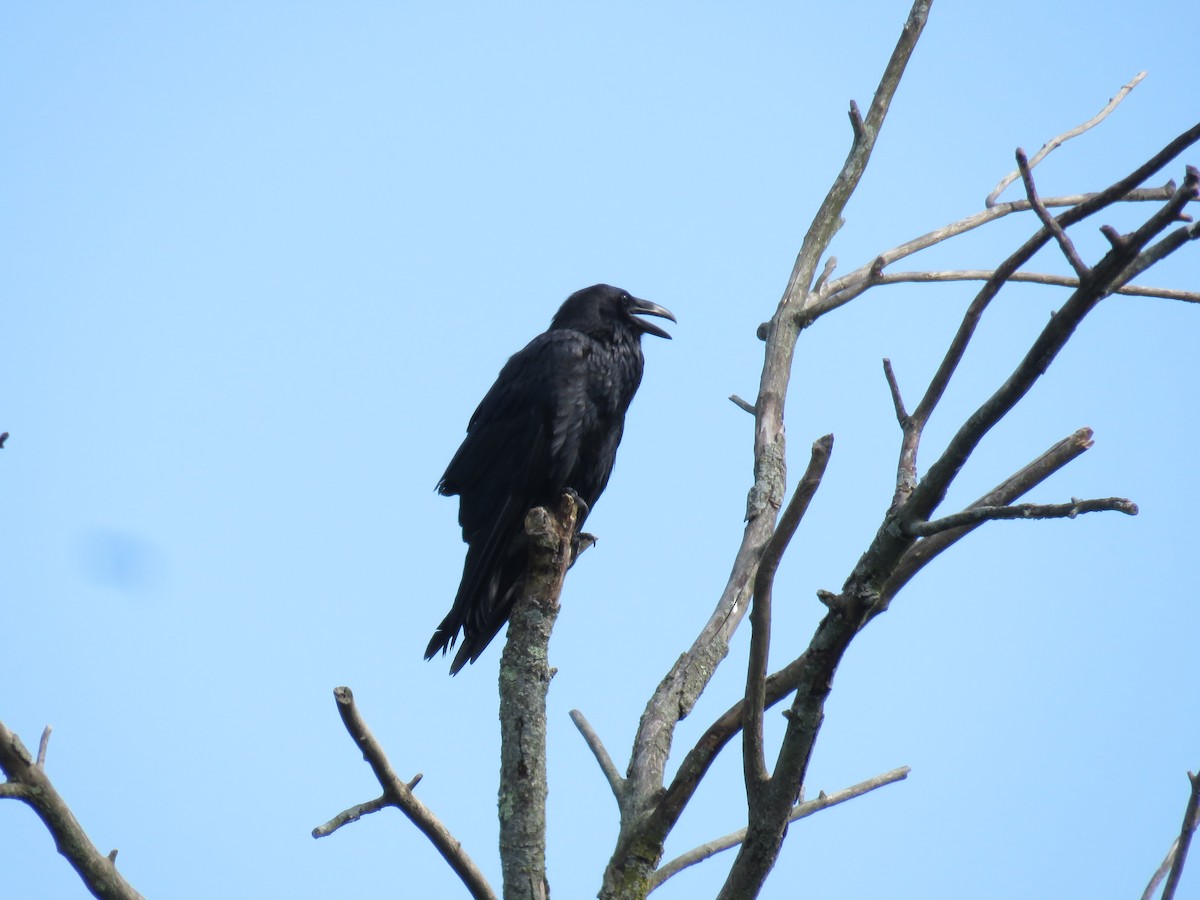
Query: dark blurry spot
{"x": 119, "y": 560}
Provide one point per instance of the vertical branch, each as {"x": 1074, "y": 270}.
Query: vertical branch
{"x": 754, "y": 758}
{"x": 525, "y": 675}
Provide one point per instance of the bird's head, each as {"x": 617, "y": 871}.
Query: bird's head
{"x": 604, "y": 305}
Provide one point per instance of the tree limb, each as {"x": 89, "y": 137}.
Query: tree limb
{"x": 1031, "y": 278}
{"x": 842, "y": 290}
{"x": 753, "y": 757}
{"x": 1043, "y": 214}
{"x": 525, "y": 675}
{"x": 1191, "y": 818}
{"x": 1066, "y": 136}
{"x": 800, "y": 811}
{"x": 978, "y": 514}
{"x": 27, "y": 781}
{"x": 398, "y": 794}
{"x": 615, "y": 781}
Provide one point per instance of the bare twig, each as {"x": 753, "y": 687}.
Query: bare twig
{"x": 396, "y": 793}
{"x": 353, "y": 814}
{"x": 1032, "y": 278}
{"x": 800, "y": 811}
{"x": 1066, "y": 136}
{"x": 842, "y": 290}
{"x": 615, "y": 781}
{"x": 831, "y": 262}
{"x": 930, "y": 492}
{"x": 1012, "y": 488}
{"x": 742, "y": 404}
{"x": 1161, "y": 872}
{"x": 1191, "y": 818}
{"x": 42, "y": 745}
{"x": 27, "y": 782}
{"x": 1043, "y": 214}
{"x": 978, "y": 514}
{"x": 894, "y": 387}
{"x": 760, "y": 614}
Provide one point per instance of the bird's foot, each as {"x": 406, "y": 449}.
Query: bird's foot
{"x": 579, "y": 543}
{"x": 581, "y": 505}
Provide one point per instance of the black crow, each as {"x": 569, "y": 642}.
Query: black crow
{"x": 551, "y": 422}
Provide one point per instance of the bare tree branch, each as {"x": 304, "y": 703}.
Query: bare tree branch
{"x": 397, "y": 793}
{"x": 1191, "y": 818}
{"x": 27, "y": 781}
{"x": 894, "y": 388}
{"x": 842, "y": 290}
{"x": 1066, "y": 136}
{"x": 929, "y": 493}
{"x": 1043, "y": 214}
{"x": 742, "y": 404}
{"x": 615, "y": 781}
{"x": 645, "y": 819}
{"x": 353, "y": 814}
{"x": 1031, "y": 278}
{"x": 760, "y": 614}
{"x": 800, "y": 811}
{"x": 978, "y": 514}
{"x": 1012, "y": 488}
{"x": 525, "y": 675}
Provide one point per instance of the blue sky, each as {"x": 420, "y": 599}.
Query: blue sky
{"x": 260, "y": 261}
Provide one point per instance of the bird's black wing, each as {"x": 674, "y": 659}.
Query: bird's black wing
{"x": 522, "y": 442}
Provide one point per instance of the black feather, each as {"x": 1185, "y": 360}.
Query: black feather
{"x": 552, "y": 421}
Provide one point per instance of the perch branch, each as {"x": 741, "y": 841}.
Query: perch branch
{"x": 27, "y": 781}
{"x": 396, "y": 793}
{"x": 978, "y": 514}
{"x": 525, "y": 675}
{"x": 1066, "y": 136}
{"x": 615, "y": 781}
{"x": 800, "y": 811}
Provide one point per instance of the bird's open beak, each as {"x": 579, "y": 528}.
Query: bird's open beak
{"x": 646, "y": 308}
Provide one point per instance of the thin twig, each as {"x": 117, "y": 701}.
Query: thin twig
{"x": 397, "y": 794}
{"x": 894, "y": 387}
{"x": 1191, "y": 818}
{"x": 1043, "y": 214}
{"x": 800, "y": 811}
{"x": 42, "y": 744}
{"x": 830, "y": 265}
{"x": 1066, "y": 136}
{"x": 1161, "y": 872}
{"x": 615, "y": 781}
{"x": 1012, "y": 488}
{"x": 842, "y": 290}
{"x": 977, "y": 514}
{"x": 353, "y": 814}
{"x": 1044, "y": 278}
{"x": 742, "y": 404}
